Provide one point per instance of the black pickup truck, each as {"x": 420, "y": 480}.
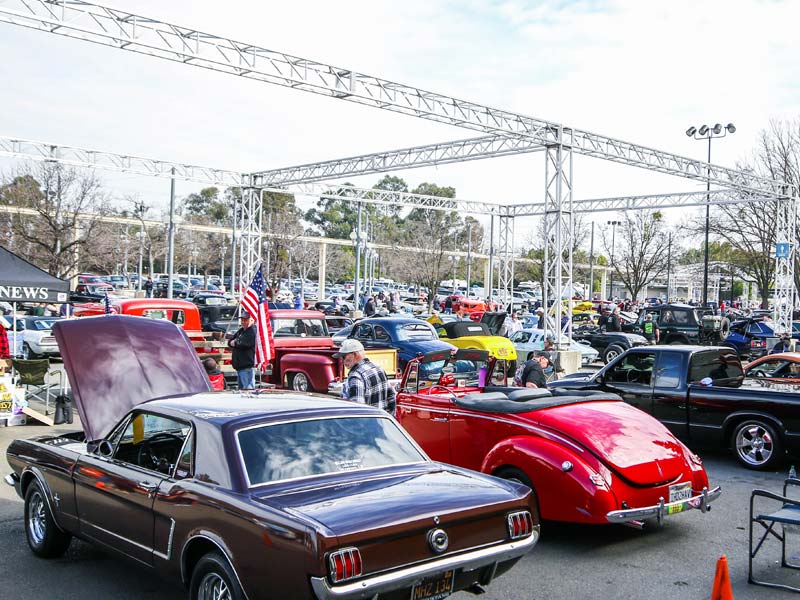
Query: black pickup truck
{"x": 759, "y": 425}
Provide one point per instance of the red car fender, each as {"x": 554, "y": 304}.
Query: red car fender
{"x": 563, "y": 494}
{"x": 319, "y": 368}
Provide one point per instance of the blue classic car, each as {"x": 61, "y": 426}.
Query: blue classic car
{"x": 410, "y": 337}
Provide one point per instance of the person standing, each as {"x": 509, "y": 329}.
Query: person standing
{"x": 448, "y": 305}
{"x": 5, "y": 351}
{"x": 514, "y": 324}
{"x": 613, "y": 324}
{"x": 650, "y": 329}
{"x": 532, "y": 374}
{"x": 366, "y": 382}
{"x": 540, "y": 314}
{"x": 369, "y": 307}
{"x": 148, "y": 288}
{"x": 243, "y": 344}
{"x": 298, "y": 302}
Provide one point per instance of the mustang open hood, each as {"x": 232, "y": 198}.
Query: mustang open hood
{"x": 627, "y": 440}
{"x": 116, "y": 362}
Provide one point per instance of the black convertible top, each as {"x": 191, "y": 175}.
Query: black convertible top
{"x": 457, "y": 329}
{"x": 527, "y": 400}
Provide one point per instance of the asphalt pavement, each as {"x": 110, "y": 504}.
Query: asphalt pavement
{"x": 676, "y": 561}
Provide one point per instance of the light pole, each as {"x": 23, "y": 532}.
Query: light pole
{"x": 613, "y": 244}
{"x": 708, "y": 133}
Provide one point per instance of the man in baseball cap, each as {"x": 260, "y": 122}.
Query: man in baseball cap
{"x": 243, "y": 358}
{"x": 366, "y": 382}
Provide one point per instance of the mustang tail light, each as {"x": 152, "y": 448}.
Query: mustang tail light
{"x": 345, "y": 564}
{"x": 520, "y": 524}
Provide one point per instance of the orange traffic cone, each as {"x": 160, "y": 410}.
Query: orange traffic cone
{"x": 722, "y": 581}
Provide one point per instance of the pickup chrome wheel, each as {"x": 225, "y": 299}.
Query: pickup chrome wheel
{"x": 756, "y": 444}
{"x": 45, "y": 539}
{"x": 300, "y": 382}
{"x": 213, "y": 579}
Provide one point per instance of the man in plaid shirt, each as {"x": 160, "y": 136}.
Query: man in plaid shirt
{"x": 367, "y": 382}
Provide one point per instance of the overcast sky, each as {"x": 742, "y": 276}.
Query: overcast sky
{"x": 639, "y": 71}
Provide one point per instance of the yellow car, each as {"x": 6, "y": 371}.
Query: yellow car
{"x": 469, "y": 334}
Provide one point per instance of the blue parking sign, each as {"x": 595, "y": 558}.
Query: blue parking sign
{"x": 782, "y": 250}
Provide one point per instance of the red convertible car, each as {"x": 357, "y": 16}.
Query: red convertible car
{"x": 589, "y": 457}
{"x": 253, "y": 496}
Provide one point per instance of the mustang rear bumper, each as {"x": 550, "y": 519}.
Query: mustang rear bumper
{"x": 662, "y": 509}
{"x": 470, "y": 561}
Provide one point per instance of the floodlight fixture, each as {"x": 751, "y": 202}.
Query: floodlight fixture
{"x": 731, "y": 128}
{"x": 691, "y": 131}
{"x": 703, "y": 129}
{"x": 717, "y": 129}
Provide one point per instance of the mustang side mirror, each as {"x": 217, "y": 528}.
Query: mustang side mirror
{"x": 101, "y": 447}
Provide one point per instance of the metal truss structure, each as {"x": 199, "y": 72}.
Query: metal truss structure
{"x": 394, "y": 160}
{"x": 110, "y": 27}
{"x": 249, "y": 229}
{"x": 150, "y": 167}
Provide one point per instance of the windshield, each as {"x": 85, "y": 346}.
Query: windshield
{"x": 321, "y": 446}
{"x": 299, "y": 327}
{"x": 416, "y": 332}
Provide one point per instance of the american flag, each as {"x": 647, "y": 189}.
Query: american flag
{"x": 254, "y": 301}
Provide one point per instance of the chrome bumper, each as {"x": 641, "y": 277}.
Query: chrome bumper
{"x": 470, "y": 561}
{"x": 12, "y": 479}
{"x": 662, "y": 509}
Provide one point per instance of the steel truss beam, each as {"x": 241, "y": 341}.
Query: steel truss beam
{"x": 784, "y": 264}
{"x": 250, "y": 232}
{"x": 505, "y": 281}
{"x": 558, "y": 220}
{"x": 405, "y": 158}
{"x": 151, "y": 167}
{"x": 119, "y": 29}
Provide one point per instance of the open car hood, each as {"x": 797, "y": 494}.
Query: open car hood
{"x": 628, "y": 441}
{"x": 115, "y": 362}
{"x": 494, "y": 321}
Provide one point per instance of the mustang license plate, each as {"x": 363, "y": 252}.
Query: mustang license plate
{"x": 680, "y": 492}
{"x": 434, "y": 588}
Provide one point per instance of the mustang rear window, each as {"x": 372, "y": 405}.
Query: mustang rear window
{"x": 317, "y": 447}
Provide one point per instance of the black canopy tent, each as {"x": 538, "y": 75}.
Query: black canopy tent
{"x": 20, "y": 281}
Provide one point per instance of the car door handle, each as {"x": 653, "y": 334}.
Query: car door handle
{"x": 148, "y": 486}
{"x": 440, "y": 419}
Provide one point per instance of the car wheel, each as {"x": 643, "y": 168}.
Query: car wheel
{"x": 518, "y": 476}
{"x": 612, "y": 352}
{"x": 300, "y": 382}
{"x": 214, "y": 579}
{"x": 45, "y": 539}
{"x": 756, "y": 444}
{"x": 27, "y": 353}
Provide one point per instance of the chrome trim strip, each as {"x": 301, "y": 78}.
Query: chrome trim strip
{"x": 123, "y": 538}
{"x": 11, "y": 479}
{"x": 402, "y": 431}
{"x": 469, "y": 561}
{"x": 221, "y": 549}
{"x": 659, "y": 511}
{"x": 168, "y": 555}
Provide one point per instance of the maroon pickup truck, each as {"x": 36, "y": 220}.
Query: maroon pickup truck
{"x": 304, "y": 352}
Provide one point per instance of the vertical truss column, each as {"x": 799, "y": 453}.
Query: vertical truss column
{"x": 784, "y": 264}
{"x": 558, "y": 232}
{"x": 506, "y": 279}
{"x": 250, "y": 233}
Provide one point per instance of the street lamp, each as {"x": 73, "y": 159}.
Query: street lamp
{"x": 613, "y": 244}
{"x": 708, "y": 133}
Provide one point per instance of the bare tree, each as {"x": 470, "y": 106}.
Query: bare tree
{"x": 641, "y": 250}
{"x": 60, "y": 229}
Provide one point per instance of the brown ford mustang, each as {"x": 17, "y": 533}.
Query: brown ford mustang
{"x": 275, "y": 495}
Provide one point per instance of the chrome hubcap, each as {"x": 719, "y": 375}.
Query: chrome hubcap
{"x": 213, "y": 587}
{"x": 300, "y": 383}
{"x": 37, "y": 524}
{"x": 754, "y": 444}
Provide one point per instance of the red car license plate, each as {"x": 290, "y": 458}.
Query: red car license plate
{"x": 434, "y": 588}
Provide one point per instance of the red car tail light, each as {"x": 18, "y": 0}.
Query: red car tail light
{"x": 520, "y": 524}
{"x": 345, "y": 564}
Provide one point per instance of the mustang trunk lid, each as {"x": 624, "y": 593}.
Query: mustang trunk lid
{"x": 116, "y": 362}
{"x": 391, "y": 515}
{"x": 630, "y": 442}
